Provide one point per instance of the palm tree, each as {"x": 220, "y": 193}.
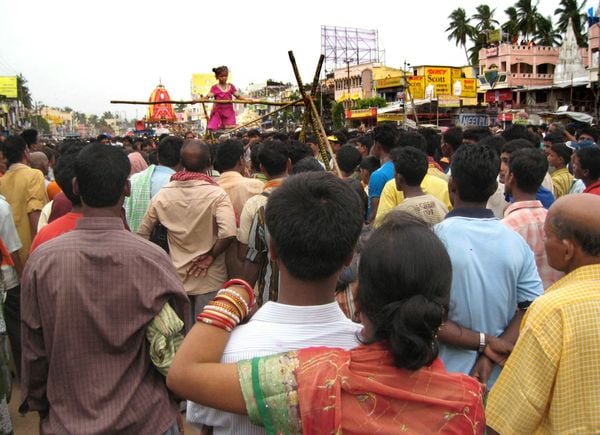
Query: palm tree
{"x": 460, "y": 29}
{"x": 527, "y": 17}
{"x": 485, "y": 18}
{"x": 547, "y": 34}
{"x": 511, "y": 25}
{"x": 570, "y": 10}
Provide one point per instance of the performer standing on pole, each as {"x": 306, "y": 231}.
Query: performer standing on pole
{"x": 222, "y": 115}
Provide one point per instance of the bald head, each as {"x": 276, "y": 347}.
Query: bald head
{"x": 39, "y": 160}
{"x": 195, "y": 156}
{"x": 573, "y": 219}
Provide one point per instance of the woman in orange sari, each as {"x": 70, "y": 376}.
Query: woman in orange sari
{"x": 393, "y": 383}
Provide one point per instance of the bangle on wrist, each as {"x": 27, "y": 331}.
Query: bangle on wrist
{"x": 482, "y": 342}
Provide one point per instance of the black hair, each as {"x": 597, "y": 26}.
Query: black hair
{"x": 254, "y": 150}
{"x": 220, "y": 69}
{"x": 14, "y": 148}
{"x": 360, "y": 191}
{"x": 589, "y": 158}
{"x": 587, "y": 237}
{"x": 518, "y": 131}
{"x": 348, "y": 158}
{"x": 314, "y": 220}
{"x": 30, "y": 135}
{"x": 528, "y": 166}
{"x": 411, "y": 163}
{"x": 169, "y": 151}
{"x": 228, "y": 154}
{"x": 280, "y": 136}
{"x": 50, "y": 153}
{"x": 341, "y": 135}
{"x": 562, "y": 151}
{"x": 476, "y": 134}
{"x": 385, "y": 135}
{"x": 591, "y": 131}
{"x": 298, "y": 150}
{"x": 405, "y": 292}
{"x": 516, "y": 144}
{"x": 101, "y": 172}
{"x": 474, "y": 170}
{"x": 365, "y": 140}
{"x": 273, "y": 156}
{"x": 412, "y": 139}
{"x": 433, "y": 140}
{"x": 101, "y": 137}
{"x": 370, "y": 163}
{"x": 64, "y": 171}
{"x": 196, "y": 161}
{"x": 495, "y": 142}
{"x": 253, "y": 133}
{"x": 555, "y": 137}
{"x": 453, "y": 137}
{"x": 152, "y": 157}
{"x": 307, "y": 164}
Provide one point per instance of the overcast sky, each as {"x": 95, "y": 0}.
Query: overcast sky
{"x": 83, "y": 54}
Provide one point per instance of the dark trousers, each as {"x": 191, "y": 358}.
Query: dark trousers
{"x": 12, "y": 316}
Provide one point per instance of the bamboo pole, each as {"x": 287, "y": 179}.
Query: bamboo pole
{"x": 315, "y": 119}
{"x": 313, "y": 93}
{"x": 293, "y": 103}
{"x": 208, "y": 100}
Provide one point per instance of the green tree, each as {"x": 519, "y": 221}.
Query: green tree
{"x": 460, "y": 29}
{"x": 511, "y": 25}
{"x": 107, "y": 115}
{"x": 338, "y": 115}
{"x": 367, "y": 103}
{"x": 23, "y": 93}
{"x": 571, "y": 10}
{"x": 93, "y": 120}
{"x": 528, "y": 17}
{"x": 484, "y": 18}
{"x": 40, "y": 124}
{"x": 547, "y": 34}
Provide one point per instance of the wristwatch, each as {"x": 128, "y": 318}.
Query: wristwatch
{"x": 482, "y": 342}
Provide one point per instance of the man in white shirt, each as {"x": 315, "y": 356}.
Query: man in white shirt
{"x": 314, "y": 220}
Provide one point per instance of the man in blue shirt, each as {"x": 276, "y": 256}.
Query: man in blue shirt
{"x": 494, "y": 275}
{"x": 384, "y": 140}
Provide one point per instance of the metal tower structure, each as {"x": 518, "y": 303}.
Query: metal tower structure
{"x": 344, "y": 46}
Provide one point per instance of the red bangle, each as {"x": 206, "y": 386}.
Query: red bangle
{"x": 216, "y": 321}
{"x": 246, "y": 287}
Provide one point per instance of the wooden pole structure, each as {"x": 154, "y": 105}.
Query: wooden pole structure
{"x": 313, "y": 93}
{"x": 315, "y": 120}
{"x": 208, "y": 100}
{"x": 293, "y": 103}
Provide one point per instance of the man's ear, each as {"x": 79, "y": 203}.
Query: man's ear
{"x": 75, "y": 186}
{"x": 272, "y": 249}
{"x": 569, "y": 250}
{"x": 127, "y": 188}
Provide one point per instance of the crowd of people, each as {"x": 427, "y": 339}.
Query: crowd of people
{"x": 438, "y": 283}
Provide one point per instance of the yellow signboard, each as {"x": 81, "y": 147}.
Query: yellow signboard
{"x": 465, "y": 88}
{"x": 448, "y": 101}
{"x": 389, "y": 82}
{"x": 417, "y": 86}
{"x": 390, "y": 117}
{"x": 201, "y": 83}
{"x": 456, "y": 74}
{"x": 8, "y": 86}
{"x": 440, "y": 78}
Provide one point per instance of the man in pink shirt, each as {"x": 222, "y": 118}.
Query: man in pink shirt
{"x": 526, "y": 215}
